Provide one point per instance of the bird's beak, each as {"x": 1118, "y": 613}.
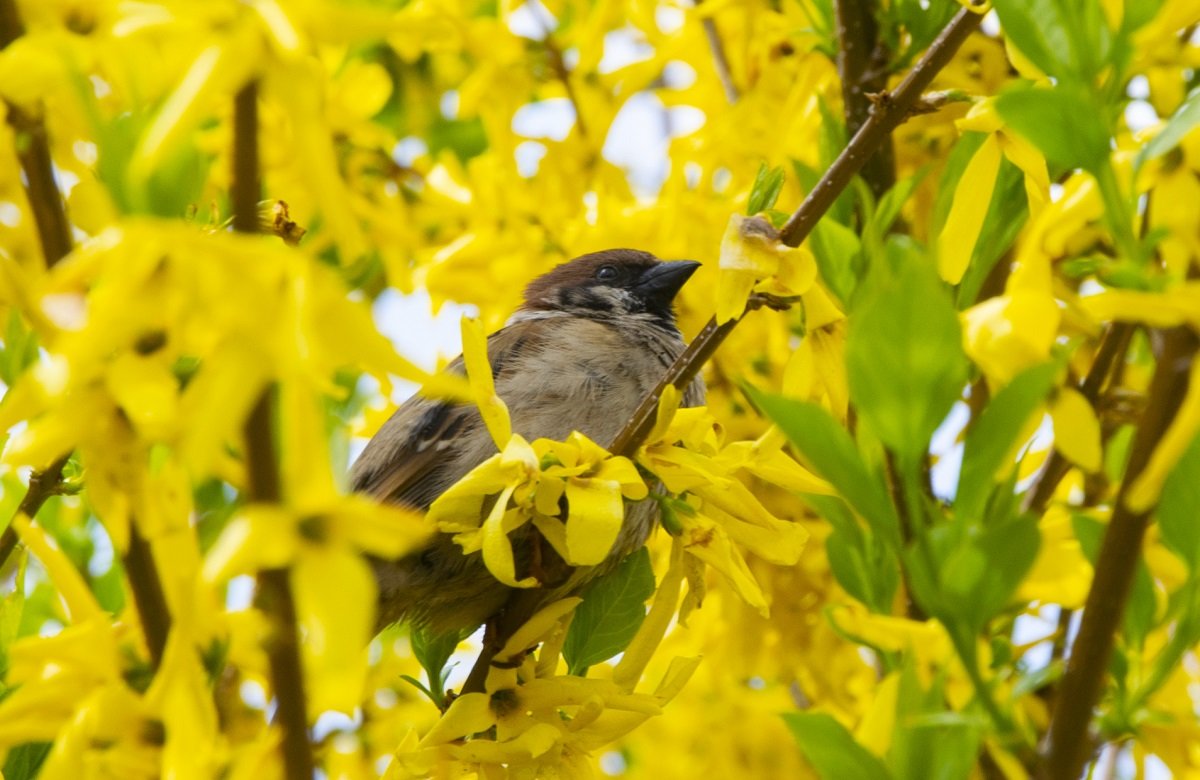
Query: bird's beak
{"x": 661, "y": 283}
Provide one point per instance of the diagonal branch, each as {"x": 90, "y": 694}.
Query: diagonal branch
{"x": 42, "y": 485}
{"x": 891, "y": 109}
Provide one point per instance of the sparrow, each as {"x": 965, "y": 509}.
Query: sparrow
{"x": 592, "y": 338}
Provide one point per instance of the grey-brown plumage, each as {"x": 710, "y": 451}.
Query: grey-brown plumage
{"x": 593, "y": 336}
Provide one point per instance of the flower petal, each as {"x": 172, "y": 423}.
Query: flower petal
{"x": 595, "y": 513}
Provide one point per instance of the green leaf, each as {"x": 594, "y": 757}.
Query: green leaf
{"x": 433, "y": 652}
{"x": 904, "y": 357}
{"x": 766, "y": 188}
{"x": 1037, "y": 30}
{"x": 992, "y": 438}
{"x": 1182, "y": 122}
{"x": 1064, "y": 124}
{"x": 893, "y": 200}
{"x": 20, "y": 348}
{"x": 1066, "y": 39}
{"x": 1179, "y": 508}
{"x": 838, "y": 254}
{"x": 612, "y": 610}
{"x": 866, "y": 568}
{"x": 1006, "y": 215}
{"x": 11, "y": 608}
{"x": 24, "y": 761}
{"x": 869, "y": 575}
{"x": 930, "y": 742}
{"x": 831, "y": 749}
{"x": 467, "y": 138}
{"x": 981, "y": 575}
{"x": 831, "y": 452}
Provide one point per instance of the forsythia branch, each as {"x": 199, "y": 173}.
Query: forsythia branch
{"x": 50, "y": 215}
{"x": 274, "y": 590}
{"x": 887, "y": 115}
{"x": 1110, "y": 353}
{"x": 33, "y": 151}
{"x": 148, "y": 594}
{"x": 42, "y": 485}
{"x": 860, "y": 68}
{"x": 720, "y": 61}
{"x": 1067, "y": 745}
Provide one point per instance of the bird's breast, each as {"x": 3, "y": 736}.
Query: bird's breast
{"x": 588, "y": 376}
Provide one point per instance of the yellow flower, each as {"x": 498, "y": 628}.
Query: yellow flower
{"x": 1010, "y": 332}
{"x": 685, "y": 450}
{"x": 543, "y": 723}
{"x": 752, "y": 258}
{"x": 483, "y": 386}
{"x": 1144, "y": 491}
{"x": 1076, "y": 429}
{"x": 524, "y": 483}
{"x": 1061, "y": 573}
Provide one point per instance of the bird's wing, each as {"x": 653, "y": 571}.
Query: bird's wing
{"x": 421, "y": 449}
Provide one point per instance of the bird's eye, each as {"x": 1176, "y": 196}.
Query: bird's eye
{"x": 606, "y": 272}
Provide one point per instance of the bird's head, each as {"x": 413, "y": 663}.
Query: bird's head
{"x": 611, "y": 283}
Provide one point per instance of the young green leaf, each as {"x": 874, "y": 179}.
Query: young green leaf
{"x": 837, "y": 250}
{"x": 20, "y": 348}
{"x": 1064, "y": 124}
{"x": 11, "y": 608}
{"x": 904, "y": 357}
{"x": 981, "y": 575}
{"x": 992, "y": 438}
{"x": 612, "y": 610}
{"x": 25, "y": 761}
{"x": 1066, "y": 39}
{"x": 831, "y": 749}
{"x": 930, "y": 741}
{"x": 833, "y": 455}
{"x": 892, "y": 201}
{"x": 433, "y": 652}
{"x": 1179, "y": 508}
{"x": 870, "y": 578}
{"x": 1185, "y": 118}
{"x": 766, "y": 188}
{"x": 1038, "y": 32}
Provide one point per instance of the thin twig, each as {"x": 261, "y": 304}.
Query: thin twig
{"x": 888, "y": 114}
{"x": 275, "y": 596}
{"x": 1110, "y": 353}
{"x": 1067, "y": 743}
{"x": 50, "y": 216}
{"x": 559, "y": 64}
{"x": 54, "y": 232}
{"x": 33, "y": 151}
{"x": 148, "y": 594}
{"x": 860, "y": 63}
{"x": 42, "y": 485}
{"x": 720, "y": 61}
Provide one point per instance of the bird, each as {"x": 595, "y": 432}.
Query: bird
{"x": 592, "y": 337}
